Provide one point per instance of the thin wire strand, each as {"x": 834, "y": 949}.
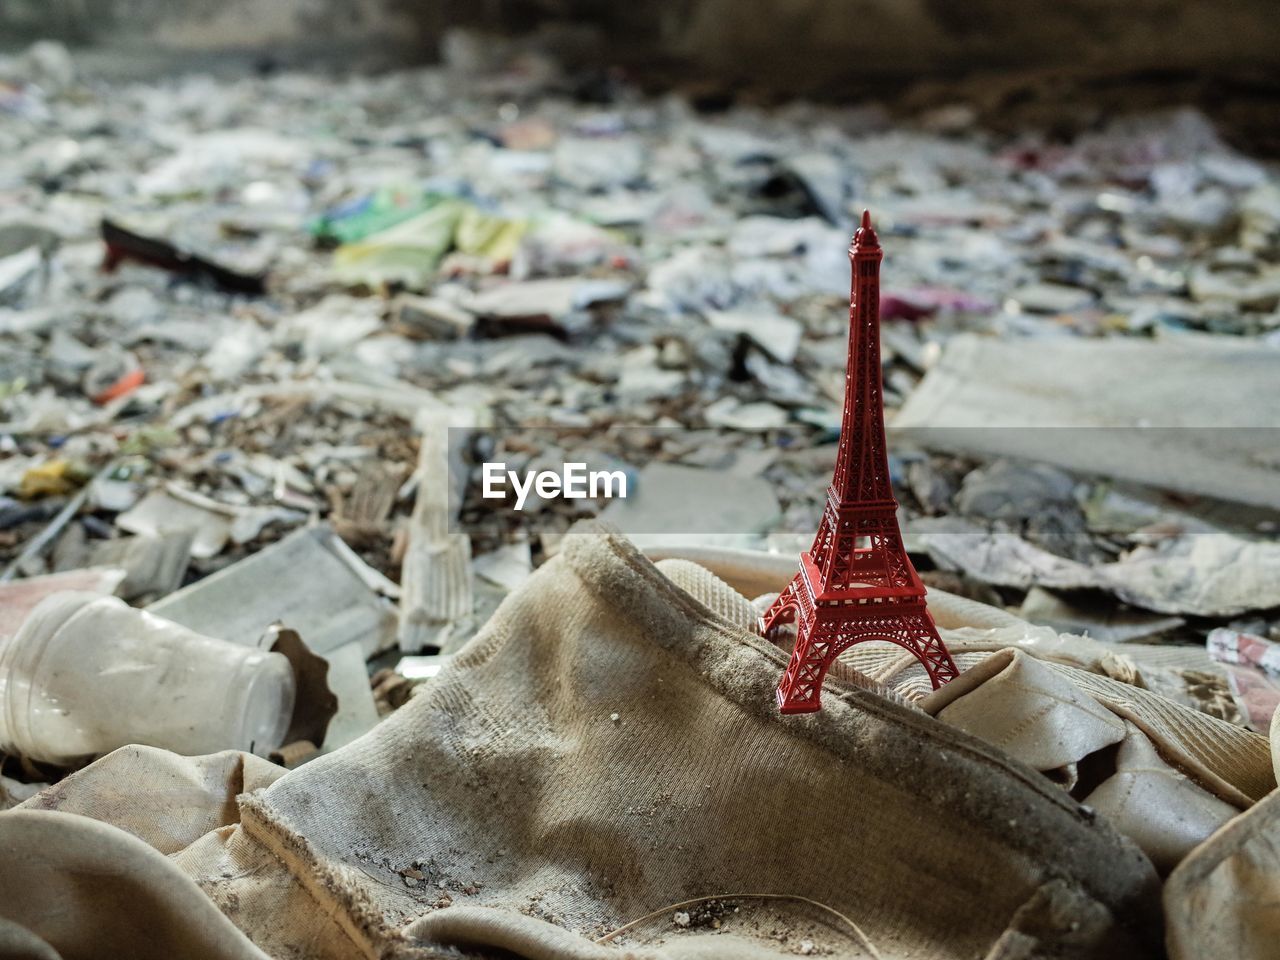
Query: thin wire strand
{"x": 863, "y": 939}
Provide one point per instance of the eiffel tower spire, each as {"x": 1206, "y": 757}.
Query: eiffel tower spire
{"x": 856, "y": 582}
{"x": 862, "y": 466}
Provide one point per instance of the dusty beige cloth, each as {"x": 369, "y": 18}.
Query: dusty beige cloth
{"x": 606, "y": 746}
{"x": 71, "y": 886}
{"x": 1058, "y": 719}
{"x": 1027, "y": 709}
{"x": 1223, "y": 900}
{"x": 1231, "y": 762}
{"x": 1157, "y": 805}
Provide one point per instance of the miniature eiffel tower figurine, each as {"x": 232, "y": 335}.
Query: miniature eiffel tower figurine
{"x": 856, "y": 582}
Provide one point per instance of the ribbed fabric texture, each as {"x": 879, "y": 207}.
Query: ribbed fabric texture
{"x": 1229, "y": 760}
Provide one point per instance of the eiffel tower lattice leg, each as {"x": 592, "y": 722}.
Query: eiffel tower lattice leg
{"x": 783, "y": 609}
{"x": 800, "y": 690}
{"x": 935, "y": 657}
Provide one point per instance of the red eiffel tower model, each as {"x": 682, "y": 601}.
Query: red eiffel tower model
{"x": 856, "y": 582}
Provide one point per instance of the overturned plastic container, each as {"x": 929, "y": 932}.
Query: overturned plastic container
{"x": 86, "y": 674}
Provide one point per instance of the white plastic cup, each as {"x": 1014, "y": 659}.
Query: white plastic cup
{"x": 86, "y": 674}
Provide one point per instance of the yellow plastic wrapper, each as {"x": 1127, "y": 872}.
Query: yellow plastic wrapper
{"x": 483, "y": 234}
{"x": 410, "y": 252}
{"x": 53, "y": 478}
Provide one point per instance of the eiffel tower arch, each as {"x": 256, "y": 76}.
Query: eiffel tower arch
{"x": 800, "y": 690}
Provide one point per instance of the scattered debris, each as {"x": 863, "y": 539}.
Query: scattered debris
{"x": 211, "y": 524}
{"x": 310, "y": 580}
{"x": 437, "y": 571}
{"x": 677, "y": 504}
{"x": 18, "y": 598}
{"x": 1102, "y": 621}
{"x": 420, "y": 668}
{"x": 1188, "y": 413}
{"x": 1209, "y": 575}
{"x": 433, "y": 317}
{"x": 348, "y": 678}
{"x": 125, "y": 245}
{"x": 1253, "y": 673}
{"x": 154, "y": 566}
{"x": 326, "y": 301}
{"x": 548, "y": 303}
{"x": 286, "y": 422}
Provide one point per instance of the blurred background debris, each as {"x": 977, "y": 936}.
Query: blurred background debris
{"x": 267, "y": 303}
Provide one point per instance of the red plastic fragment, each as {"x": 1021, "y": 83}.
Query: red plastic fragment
{"x": 128, "y": 383}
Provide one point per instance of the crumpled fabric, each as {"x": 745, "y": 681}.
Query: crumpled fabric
{"x": 1231, "y": 762}
{"x": 1058, "y": 719}
{"x": 605, "y": 748}
{"x": 1223, "y": 900}
{"x": 1155, "y": 805}
{"x": 1022, "y": 706}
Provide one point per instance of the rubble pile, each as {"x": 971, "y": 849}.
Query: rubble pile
{"x": 257, "y": 331}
